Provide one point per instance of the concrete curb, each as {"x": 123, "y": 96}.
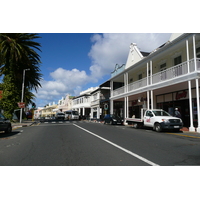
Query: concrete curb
{"x": 18, "y": 125}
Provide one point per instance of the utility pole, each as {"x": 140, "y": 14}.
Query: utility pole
{"x": 22, "y": 93}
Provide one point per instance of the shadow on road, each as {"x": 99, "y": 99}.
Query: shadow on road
{"x": 4, "y": 135}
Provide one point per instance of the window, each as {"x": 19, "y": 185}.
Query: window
{"x": 163, "y": 67}
{"x": 163, "y": 74}
{"x": 139, "y": 76}
{"x": 149, "y": 113}
{"x": 178, "y": 69}
{"x": 177, "y": 60}
{"x": 198, "y": 52}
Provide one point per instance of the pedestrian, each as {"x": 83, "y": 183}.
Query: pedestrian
{"x": 177, "y": 113}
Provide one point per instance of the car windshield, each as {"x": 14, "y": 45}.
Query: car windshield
{"x": 74, "y": 112}
{"x": 60, "y": 114}
{"x": 161, "y": 113}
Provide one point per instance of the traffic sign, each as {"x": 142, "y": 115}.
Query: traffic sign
{"x": 21, "y": 105}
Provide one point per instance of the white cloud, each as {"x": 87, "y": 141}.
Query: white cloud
{"x": 111, "y": 49}
{"x": 107, "y": 50}
{"x": 64, "y": 82}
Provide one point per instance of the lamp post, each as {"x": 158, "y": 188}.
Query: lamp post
{"x": 22, "y": 93}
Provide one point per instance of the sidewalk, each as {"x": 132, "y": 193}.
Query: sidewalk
{"x": 23, "y": 124}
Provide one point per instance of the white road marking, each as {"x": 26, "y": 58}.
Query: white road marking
{"x": 119, "y": 147}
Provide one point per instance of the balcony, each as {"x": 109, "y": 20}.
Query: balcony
{"x": 95, "y": 102}
{"x": 165, "y": 75}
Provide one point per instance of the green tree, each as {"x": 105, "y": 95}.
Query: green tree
{"x": 18, "y": 51}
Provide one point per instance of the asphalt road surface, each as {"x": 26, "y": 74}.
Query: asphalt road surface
{"x": 82, "y": 143}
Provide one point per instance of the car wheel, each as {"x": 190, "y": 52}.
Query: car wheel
{"x": 8, "y": 130}
{"x": 158, "y": 127}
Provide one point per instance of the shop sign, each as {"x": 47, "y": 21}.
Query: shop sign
{"x": 181, "y": 95}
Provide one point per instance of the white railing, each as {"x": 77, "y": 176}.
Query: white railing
{"x": 168, "y": 74}
{"x": 118, "y": 91}
{"x": 198, "y": 64}
{"x": 137, "y": 84}
{"x": 95, "y": 102}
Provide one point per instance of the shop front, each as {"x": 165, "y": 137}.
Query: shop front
{"x": 180, "y": 100}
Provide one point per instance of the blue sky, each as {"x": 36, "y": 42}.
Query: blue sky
{"x": 74, "y": 55}
{"x": 73, "y": 62}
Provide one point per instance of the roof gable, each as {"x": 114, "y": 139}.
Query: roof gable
{"x": 134, "y": 55}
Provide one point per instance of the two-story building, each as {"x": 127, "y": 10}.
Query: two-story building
{"x": 65, "y": 103}
{"x": 82, "y": 103}
{"x": 167, "y": 78}
{"x": 49, "y": 110}
{"x": 100, "y": 101}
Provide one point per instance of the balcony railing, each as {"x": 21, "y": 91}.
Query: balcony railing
{"x": 118, "y": 91}
{"x": 165, "y": 75}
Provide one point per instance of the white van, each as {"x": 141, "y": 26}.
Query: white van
{"x": 71, "y": 115}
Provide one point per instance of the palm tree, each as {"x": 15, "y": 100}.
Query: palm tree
{"x": 18, "y": 50}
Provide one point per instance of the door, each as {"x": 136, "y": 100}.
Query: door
{"x": 148, "y": 119}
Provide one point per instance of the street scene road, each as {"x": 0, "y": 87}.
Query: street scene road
{"x": 85, "y": 143}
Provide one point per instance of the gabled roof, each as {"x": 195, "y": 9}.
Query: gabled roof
{"x": 135, "y": 55}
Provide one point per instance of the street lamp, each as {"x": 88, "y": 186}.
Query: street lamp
{"x": 22, "y": 93}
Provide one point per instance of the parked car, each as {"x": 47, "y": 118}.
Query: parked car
{"x": 60, "y": 116}
{"x": 113, "y": 119}
{"x": 5, "y": 124}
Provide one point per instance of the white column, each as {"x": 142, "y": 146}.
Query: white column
{"x": 198, "y": 109}
{"x": 152, "y": 99}
{"x": 91, "y": 113}
{"x": 127, "y": 82}
{"x": 111, "y": 106}
{"x": 151, "y": 71}
{"x": 148, "y": 100}
{"x": 125, "y": 109}
{"x": 127, "y": 106}
{"x": 98, "y": 112}
{"x": 187, "y": 52}
{"x": 147, "y": 73}
{"x": 111, "y": 88}
{"x": 191, "y": 128}
{"x": 83, "y": 111}
{"x": 194, "y": 50}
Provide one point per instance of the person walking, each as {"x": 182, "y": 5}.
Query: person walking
{"x": 177, "y": 113}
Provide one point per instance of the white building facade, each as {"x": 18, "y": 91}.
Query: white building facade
{"x": 65, "y": 103}
{"x": 82, "y": 103}
{"x": 167, "y": 78}
{"x": 100, "y": 102}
